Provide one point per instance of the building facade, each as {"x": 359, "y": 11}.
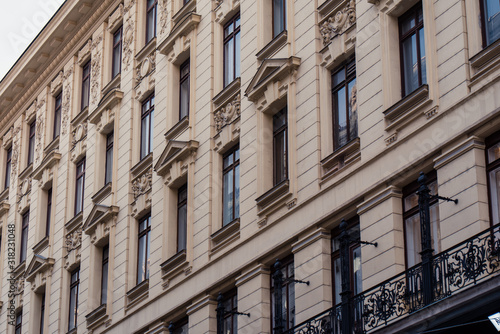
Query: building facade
{"x": 175, "y": 166}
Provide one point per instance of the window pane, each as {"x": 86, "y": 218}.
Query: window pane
{"x": 423, "y": 67}
{"x": 237, "y": 48}
{"x": 148, "y": 255}
{"x": 338, "y": 280}
{"x": 184, "y": 102}
{"x": 228, "y": 62}
{"x": 278, "y": 17}
{"x": 492, "y": 24}
{"x": 182, "y": 228}
{"x": 72, "y": 309}
{"x": 413, "y": 241}
{"x": 494, "y": 177}
{"x": 494, "y": 153}
{"x": 410, "y": 65}
{"x": 280, "y": 157}
{"x": 116, "y": 62}
{"x": 356, "y": 270}
{"x": 353, "y": 110}
{"x": 227, "y": 198}
{"x": 150, "y": 126}
{"x": 79, "y": 195}
{"x": 104, "y": 289}
{"x": 408, "y": 24}
{"x": 228, "y": 160}
{"x": 150, "y": 25}
{"x": 338, "y": 77}
{"x": 141, "y": 264}
{"x": 145, "y": 135}
{"x": 229, "y": 29}
{"x": 341, "y": 127}
{"x": 237, "y": 192}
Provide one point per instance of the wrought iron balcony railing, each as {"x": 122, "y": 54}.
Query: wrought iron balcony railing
{"x": 465, "y": 264}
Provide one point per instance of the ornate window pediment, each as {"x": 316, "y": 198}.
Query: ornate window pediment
{"x": 99, "y": 222}
{"x": 79, "y": 135}
{"x": 227, "y": 111}
{"x": 104, "y": 115}
{"x": 38, "y": 270}
{"x": 174, "y": 160}
{"x": 179, "y": 39}
{"x": 142, "y": 174}
{"x": 45, "y": 172}
{"x": 73, "y": 242}
{"x": 271, "y": 81}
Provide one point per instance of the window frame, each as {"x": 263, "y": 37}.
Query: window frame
{"x": 104, "y": 277}
{"x": 283, "y": 17}
{"x": 117, "y": 48}
{"x": 42, "y": 313}
{"x": 231, "y": 298}
{"x": 231, "y": 168}
{"x": 147, "y": 111}
{"x": 483, "y": 25}
{"x": 85, "y": 100}
{"x": 8, "y": 167}
{"x": 49, "y": 212}
{"x": 31, "y": 142}
{"x": 236, "y": 33}
{"x": 491, "y": 166}
{"x": 80, "y": 175}
{"x": 153, "y": 7}
{"x": 288, "y": 281}
{"x": 144, "y": 233}
{"x": 182, "y": 199}
{"x": 74, "y": 285}
{"x": 25, "y": 223}
{"x": 182, "y": 80}
{"x": 19, "y": 322}
{"x": 282, "y": 130}
{"x": 108, "y": 165}
{"x": 57, "y": 116}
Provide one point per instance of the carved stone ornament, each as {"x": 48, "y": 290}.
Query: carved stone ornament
{"x": 228, "y": 113}
{"x": 56, "y": 84}
{"x": 24, "y": 187}
{"x": 147, "y": 66}
{"x": 40, "y": 129}
{"x": 217, "y": 2}
{"x": 142, "y": 184}
{"x": 15, "y": 154}
{"x": 74, "y": 240}
{"x": 79, "y": 133}
{"x": 66, "y": 102}
{"x": 163, "y": 16}
{"x": 128, "y": 38}
{"x": 337, "y": 24}
{"x": 128, "y": 5}
{"x": 19, "y": 285}
{"x": 95, "y": 71}
{"x": 84, "y": 52}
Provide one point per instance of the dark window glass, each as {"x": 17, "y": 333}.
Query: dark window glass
{"x": 108, "y": 174}
{"x": 288, "y": 295}
{"x": 8, "y": 164}
{"x": 31, "y": 143}
{"x": 230, "y": 322}
{"x": 181, "y": 218}
{"x": 73, "y": 299}
{"x": 80, "y": 185}
{"x": 143, "y": 249}
{"x": 57, "y": 116}
{"x": 493, "y": 170}
{"x": 85, "y": 85}
{"x": 151, "y": 14}
{"x": 185, "y": 1}
{"x": 490, "y": 13}
{"x": 184, "y": 90}
{"x": 19, "y": 322}
{"x": 355, "y": 261}
{"x": 49, "y": 212}
{"x": 231, "y": 186}
{"x": 279, "y": 16}
{"x": 280, "y": 146}
{"x": 148, "y": 108}
{"x": 181, "y": 326}
{"x": 232, "y": 50}
{"x": 104, "y": 275}
{"x": 24, "y": 236}
{"x": 411, "y": 216}
{"x": 345, "y": 110}
{"x": 116, "y": 66}
{"x": 42, "y": 313}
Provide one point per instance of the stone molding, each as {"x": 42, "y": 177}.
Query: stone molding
{"x": 338, "y": 21}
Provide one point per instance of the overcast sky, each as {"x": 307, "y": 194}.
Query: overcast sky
{"x": 20, "y": 23}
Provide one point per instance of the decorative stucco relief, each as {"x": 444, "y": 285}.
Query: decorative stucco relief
{"x": 15, "y": 153}
{"x": 40, "y": 130}
{"x": 228, "y": 113}
{"x": 95, "y": 72}
{"x": 338, "y": 22}
{"x": 79, "y": 133}
{"x": 74, "y": 240}
{"x": 128, "y": 38}
{"x": 66, "y": 101}
{"x": 217, "y": 2}
{"x": 142, "y": 184}
{"x": 163, "y": 16}
{"x": 147, "y": 66}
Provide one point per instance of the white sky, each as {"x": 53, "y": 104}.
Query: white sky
{"x": 20, "y": 23}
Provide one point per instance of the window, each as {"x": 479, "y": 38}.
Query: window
{"x": 355, "y": 261}
{"x": 181, "y": 218}
{"x": 19, "y": 322}
{"x": 232, "y": 50}
{"x": 280, "y": 146}
{"x": 49, "y": 212}
{"x": 108, "y": 173}
{"x": 57, "y": 116}
{"x": 73, "y": 299}
{"x": 412, "y": 48}
{"x": 116, "y": 66}
{"x": 179, "y": 327}
{"x": 85, "y": 85}
{"x": 148, "y": 108}
{"x": 8, "y": 163}
{"x": 24, "y": 236}
{"x": 104, "y": 275}
{"x": 80, "y": 185}
{"x": 345, "y": 113}
{"x": 42, "y": 313}
{"x": 31, "y": 143}
{"x": 411, "y": 217}
{"x": 231, "y": 186}
{"x": 288, "y": 295}
{"x": 490, "y": 21}
{"x": 184, "y": 90}
{"x": 493, "y": 170}
{"x": 230, "y": 319}
{"x": 143, "y": 249}
{"x": 151, "y": 19}
{"x": 279, "y": 16}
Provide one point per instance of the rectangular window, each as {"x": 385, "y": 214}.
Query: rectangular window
{"x": 85, "y": 85}
{"x": 181, "y": 326}
{"x": 230, "y": 319}
{"x": 280, "y": 146}
{"x": 355, "y": 277}
{"x": 19, "y": 322}
{"x": 411, "y": 217}
{"x": 8, "y": 164}
{"x": 490, "y": 21}
{"x": 412, "y": 49}
{"x": 148, "y": 108}
{"x": 24, "y": 236}
{"x": 49, "y": 212}
{"x": 231, "y": 186}
{"x": 184, "y": 90}
{"x": 31, "y": 143}
{"x": 143, "y": 249}
{"x": 57, "y": 116}
{"x": 345, "y": 113}
{"x": 42, "y": 313}
{"x": 108, "y": 173}
{"x": 104, "y": 275}
{"x": 288, "y": 295}
{"x": 181, "y": 218}
{"x": 152, "y": 7}
{"x": 279, "y": 17}
{"x": 232, "y": 50}
{"x": 493, "y": 170}
{"x": 73, "y": 299}
{"x": 116, "y": 66}
{"x": 80, "y": 185}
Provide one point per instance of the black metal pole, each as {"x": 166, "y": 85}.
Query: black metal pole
{"x": 171, "y": 328}
{"x": 278, "y": 295}
{"x": 346, "y": 324}
{"x": 425, "y": 231}
{"x": 220, "y": 314}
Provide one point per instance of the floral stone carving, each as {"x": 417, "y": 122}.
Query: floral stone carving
{"x": 228, "y": 113}
{"x": 142, "y": 184}
{"x": 338, "y": 23}
{"x": 74, "y": 240}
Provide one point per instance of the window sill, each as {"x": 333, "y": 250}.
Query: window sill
{"x": 138, "y": 293}
{"x": 189, "y": 7}
{"x": 74, "y": 223}
{"x": 81, "y": 117}
{"x": 177, "y": 129}
{"x": 173, "y": 267}
{"x": 41, "y": 246}
{"x": 225, "y": 235}
{"x": 142, "y": 165}
{"x": 407, "y": 108}
{"x": 226, "y": 93}
{"x": 146, "y": 50}
{"x": 102, "y": 194}
{"x": 96, "y": 317}
{"x": 52, "y": 146}
{"x": 341, "y": 158}
{"x": 484, "y": 62}
{"x": 273, "y": 197}
{"x": 73, "y": 331}
{"x": 273, "y": 46}
{"x": 26, "y": 172}
{"x": 113, "y": 84}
